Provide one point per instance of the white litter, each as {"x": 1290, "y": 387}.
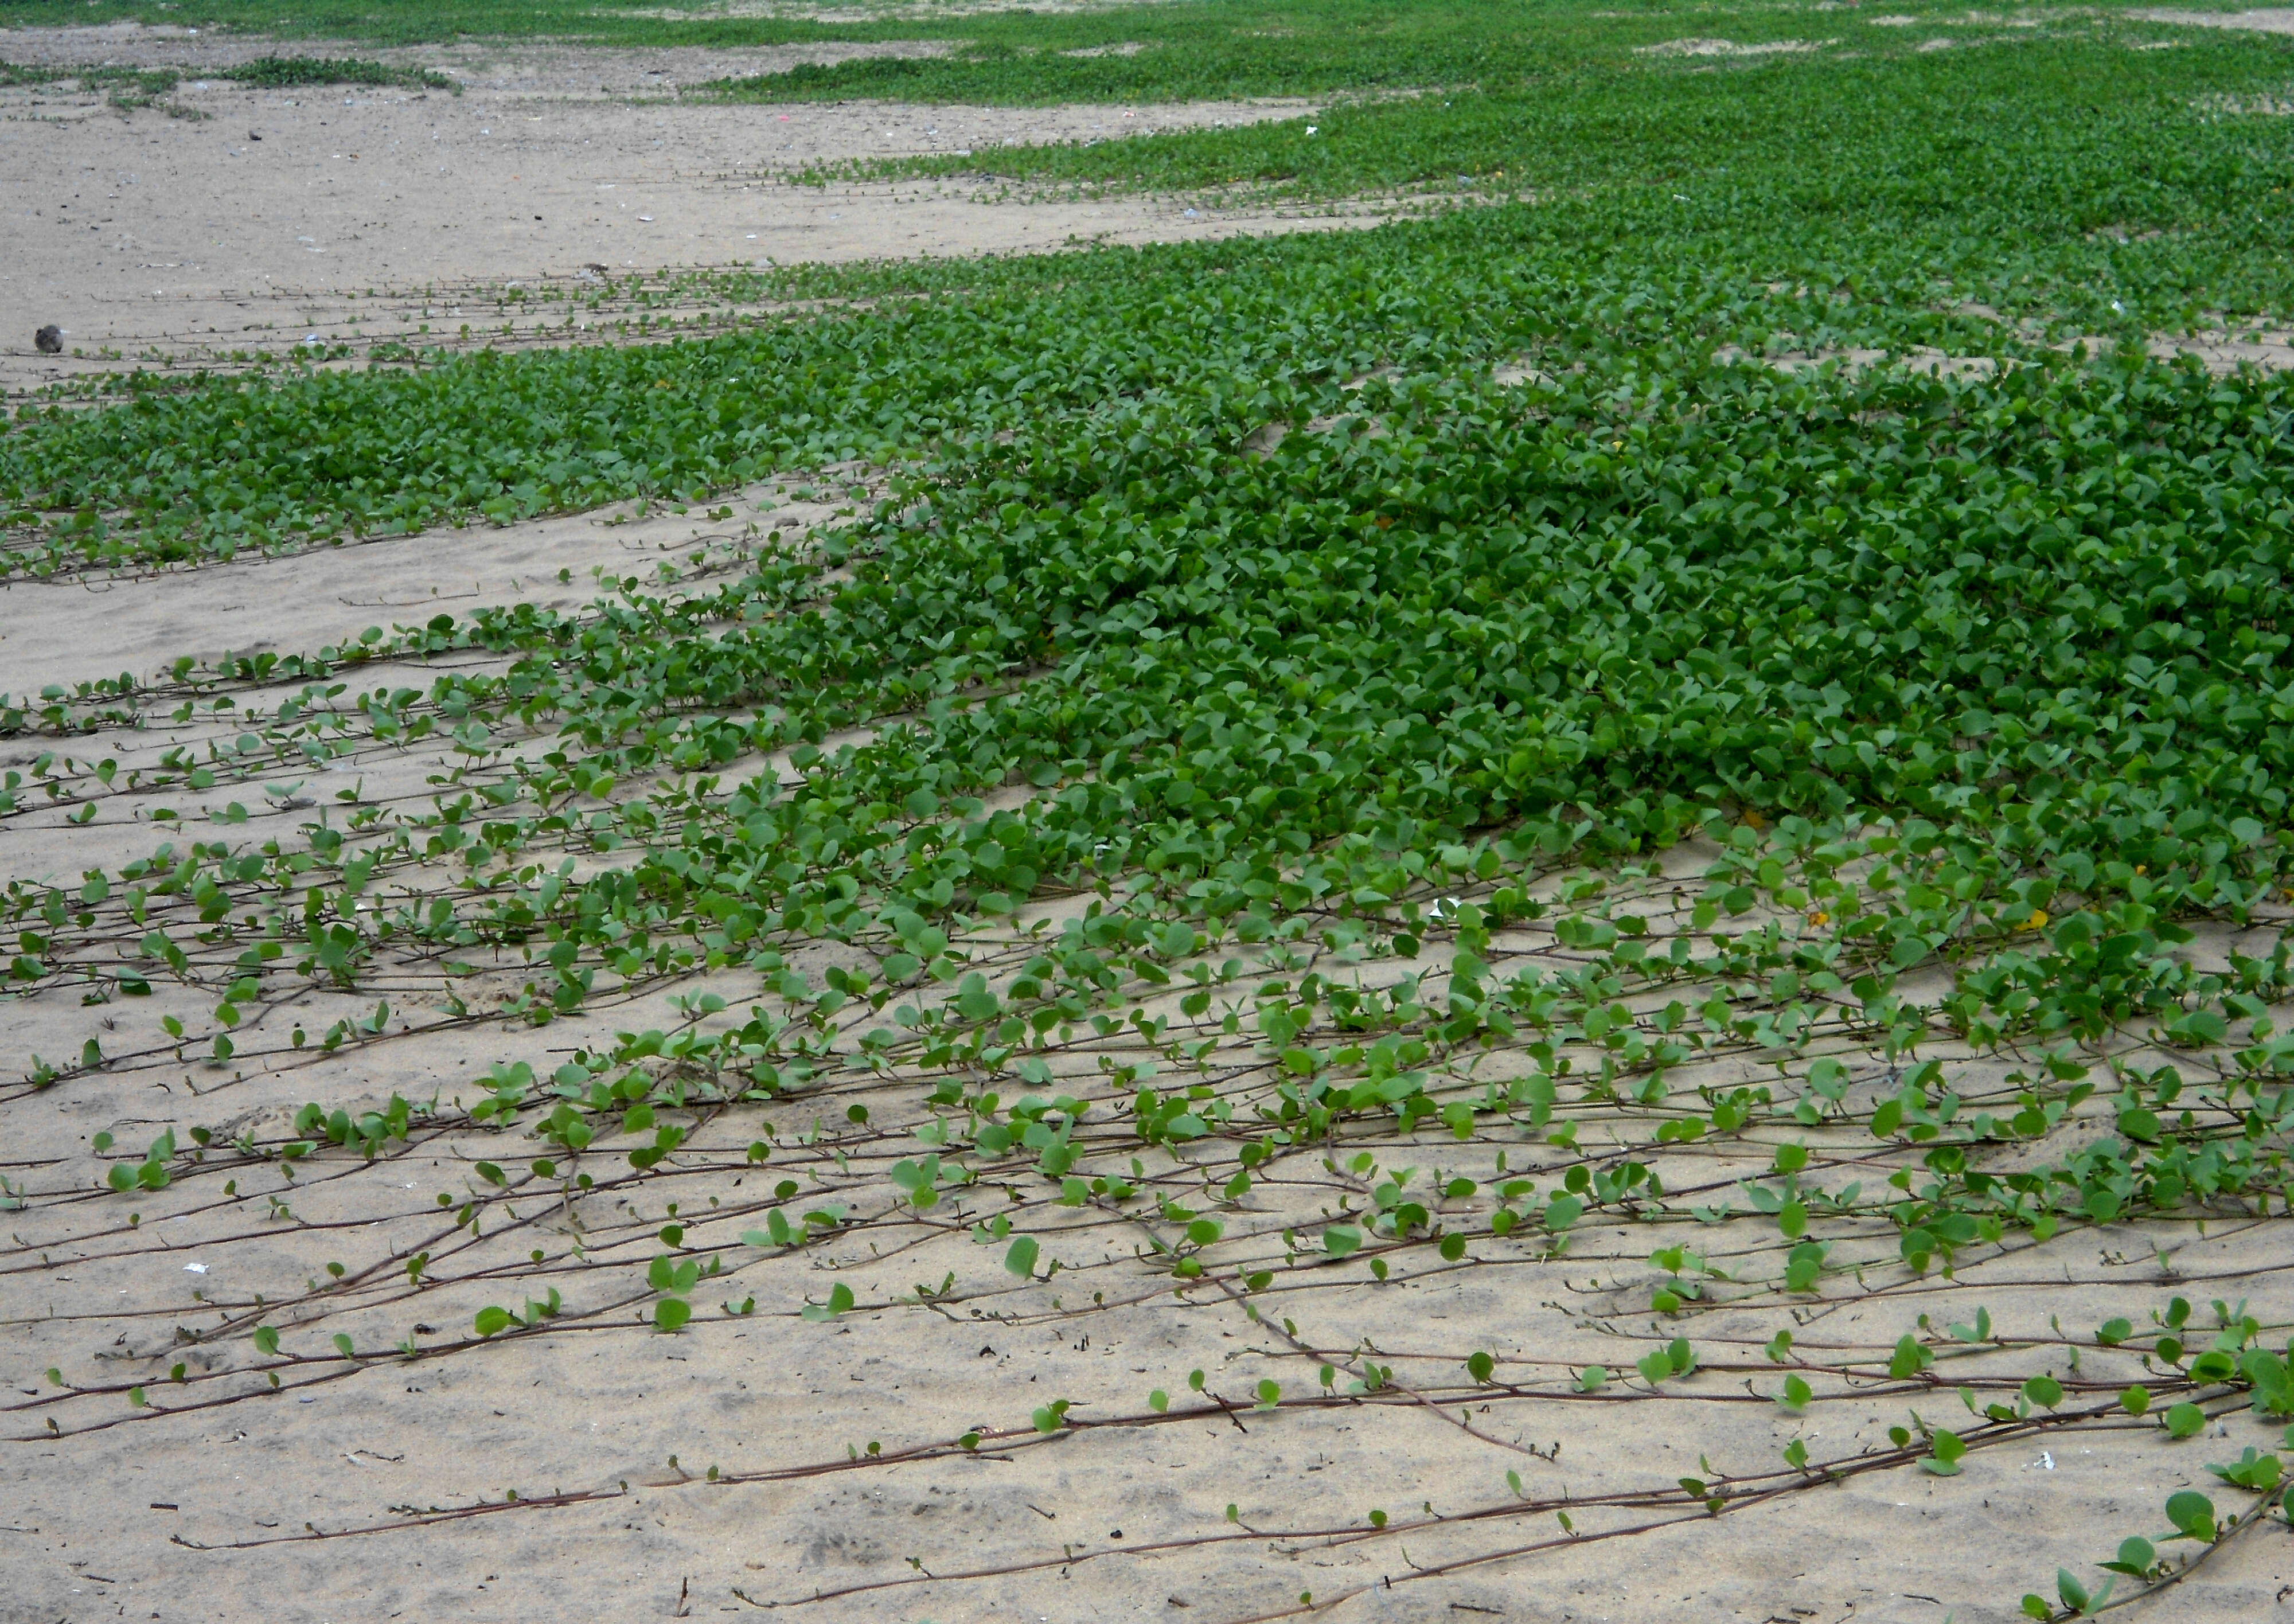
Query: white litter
{"x": 195, "y": 1267}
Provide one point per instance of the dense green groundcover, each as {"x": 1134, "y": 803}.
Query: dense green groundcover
{"x": 1809, "y": 221}
{"x": 2037, "y": 609}
{"x": 2038, "y": 612}
{"x": 1118, "y": 50}
{"x": 2063, "y": 130}
{"x": 2030, "y": 621}
{"x": 2077, "y": 188}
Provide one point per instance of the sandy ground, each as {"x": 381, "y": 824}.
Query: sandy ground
{"x": 307, "y": 600}
{"x": 174, "y": 1468}
{"x": 2263, "y": 19}
{"x": 170, "y": 241}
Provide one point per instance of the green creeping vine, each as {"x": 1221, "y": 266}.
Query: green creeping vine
{"x": 2035, "y": 642}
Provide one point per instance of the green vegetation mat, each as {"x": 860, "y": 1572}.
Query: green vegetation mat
{"x": 1968, "y": 684}
{"x": 2079, "y": 188}
{"x": 2069, "y": 128}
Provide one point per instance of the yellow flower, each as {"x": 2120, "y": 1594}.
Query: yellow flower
{"x": 2038, "y": 921}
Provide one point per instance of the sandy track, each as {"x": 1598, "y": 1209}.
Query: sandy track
{"x": 49, "y": 629}
{"x": 154, "y": 238}
{"x": 529, "y": 67}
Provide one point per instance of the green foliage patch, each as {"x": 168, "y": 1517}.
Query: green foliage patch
{"x": 2067, "y": 113}
{"x": 288, "y": 72}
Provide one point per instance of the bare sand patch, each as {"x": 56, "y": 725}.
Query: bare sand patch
{"x": 555, "y": 69}
{"x": 2227, "y": 351}
{"x": 1934, "y": 362}
{"x": 2221, "y": 352}
{"x": 502, "y": 294}
{"x": 1729, "y": 47}
{"x": 178, "y": 242}
{"x": 2259, "y": 20}
{"x": 74, "y": 631}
